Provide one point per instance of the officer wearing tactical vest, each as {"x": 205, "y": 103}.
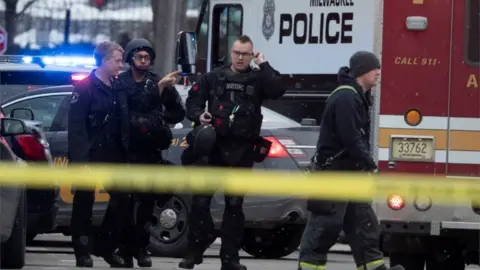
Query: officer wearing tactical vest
{"x": 234, "y": 94}
{"x": 153, "y": 104}
{"x": 343, "y": 145}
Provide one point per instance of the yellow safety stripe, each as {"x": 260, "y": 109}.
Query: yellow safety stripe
{"x": 342, "y": 87}
{"x": 310, "y": 266}
{"x": 372, "y": 265}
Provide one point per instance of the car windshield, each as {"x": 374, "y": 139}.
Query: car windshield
{"x": 271, "y": 119}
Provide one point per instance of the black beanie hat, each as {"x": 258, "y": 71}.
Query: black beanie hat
{"x": 362, "y": 62}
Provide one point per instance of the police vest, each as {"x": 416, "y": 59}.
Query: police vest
{"x": 235, "y": 105}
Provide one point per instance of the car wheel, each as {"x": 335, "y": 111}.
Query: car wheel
{"x": 13, "y": 251}
{"x": 272, "y": 243}
{"x": 170, "y": 226}
{"x": 408, "y": 261}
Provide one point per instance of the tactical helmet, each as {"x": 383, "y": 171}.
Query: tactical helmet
{"x": 202, "y": 139}
{"x": 136, "y": 45}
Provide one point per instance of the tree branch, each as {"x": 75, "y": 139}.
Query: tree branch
{"x": 24, "y": 9}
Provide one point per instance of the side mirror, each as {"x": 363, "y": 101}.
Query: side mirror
{"x": 308, "y": 122}
{"x": 22, "y": 113}
{"x": 12, "y": 127}
{"x": 186, "y": 53}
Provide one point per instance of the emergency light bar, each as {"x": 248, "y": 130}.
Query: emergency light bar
{"x": 73, "y": 61}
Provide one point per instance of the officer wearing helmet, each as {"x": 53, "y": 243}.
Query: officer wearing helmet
{"x": 153, "y": 104}
{"x": 201, "y": 141}
{"x": 234, "y": 93}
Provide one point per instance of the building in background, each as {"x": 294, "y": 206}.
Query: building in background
{"x": 43, "y": 23}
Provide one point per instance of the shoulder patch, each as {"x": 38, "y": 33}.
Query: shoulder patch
{"x": 195, "y": 87}
{"x": 75, "y": 97}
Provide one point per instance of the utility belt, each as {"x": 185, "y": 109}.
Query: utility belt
{"x": 235, "y": 121}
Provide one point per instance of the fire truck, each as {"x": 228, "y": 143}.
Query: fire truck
{"x": 429, "y": 123}
{"x": 427, "y": 106}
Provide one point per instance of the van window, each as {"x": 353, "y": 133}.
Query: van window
{"x": 202, "y": 40}
{"x": 227, "y": 23}
{"x": 473, "y": 32}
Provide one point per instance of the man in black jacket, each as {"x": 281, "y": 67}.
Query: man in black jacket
{"x": 235, "y": 94}
{"x": 343, "y": 145}
{"x": 153, "y": 104}
{"x": 98, "y": 132}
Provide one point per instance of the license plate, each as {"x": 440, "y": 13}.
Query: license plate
{"x": 415, "y": 148}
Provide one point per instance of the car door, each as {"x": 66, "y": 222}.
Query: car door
{"x": 45, "y": 107}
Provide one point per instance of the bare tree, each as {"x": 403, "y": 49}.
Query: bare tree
{"x": 11, "y": 16}
{"x": 169, "y": 18}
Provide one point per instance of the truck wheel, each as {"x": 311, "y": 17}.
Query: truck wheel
{"x": 408, "y": 261}
{"x": 447, "y": 262}
{"x": 13, "y": 251}
{"x": 272, "y": 243}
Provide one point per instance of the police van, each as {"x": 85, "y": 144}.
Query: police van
{"x": 426, "y": 114}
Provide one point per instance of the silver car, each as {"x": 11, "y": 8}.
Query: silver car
{"x": 13, "y": 206}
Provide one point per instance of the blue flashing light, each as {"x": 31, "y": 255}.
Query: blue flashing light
{"x": 27, "y": 59}
{"x": 79, "y": 61}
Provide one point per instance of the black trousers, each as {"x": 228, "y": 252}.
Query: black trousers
{"x": 136, "y": 229}
{"x": 106, "y": 239}
{"x": 361, "y": 228}
{"x": 201, "y": 231}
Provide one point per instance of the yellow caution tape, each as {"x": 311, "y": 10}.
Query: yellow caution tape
{"x": 336, "y": 186}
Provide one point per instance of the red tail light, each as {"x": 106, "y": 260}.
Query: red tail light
{"x": 32, "y": 148}
{"x": 277, "y": 150}
{"x": 79, "y": 76}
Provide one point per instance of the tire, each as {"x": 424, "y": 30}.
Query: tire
{"x": 450, "y": 261}
{"x": 13, "y": 251}
{"x": 408, "y": 261}
{"x": 272, "y": 243}
{"x": 171, "y": 240}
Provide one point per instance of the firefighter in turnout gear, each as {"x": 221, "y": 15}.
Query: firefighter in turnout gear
{"x": 343, "y": 145}
{"x": 234, "y": 94}
{"x": 153, "y": 104}
{"x": 98, "y": 132}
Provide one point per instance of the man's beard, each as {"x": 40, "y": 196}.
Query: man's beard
{"x": 140, "y": 70}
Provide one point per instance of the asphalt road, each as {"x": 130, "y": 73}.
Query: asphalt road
{"x": 52, "y": 252}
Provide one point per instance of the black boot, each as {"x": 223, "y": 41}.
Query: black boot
{"x": 115, "y": 260}
{"x": 189, "y": 262}
{"x": 81, "y": 250}
{"x": 143, "y": 258}
{"x": 127, "y": 257}
{"x": 233, "y": 266}
{"x": 84, "y": 261}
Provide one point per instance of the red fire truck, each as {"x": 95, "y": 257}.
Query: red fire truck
{"x": 429, "y": 122}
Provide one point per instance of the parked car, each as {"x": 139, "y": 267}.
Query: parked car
{"x": 42, "y": 204}
{"x": 274, "y": 225}
{"x": 13, "y": 206}
{"x": 24, "y": 74}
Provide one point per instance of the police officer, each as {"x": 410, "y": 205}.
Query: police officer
{"x": 343, "y": 145}
{"x": 153, "y": 103}
{"x": 234, "y": 93}
{"x": 98, "y": 132}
